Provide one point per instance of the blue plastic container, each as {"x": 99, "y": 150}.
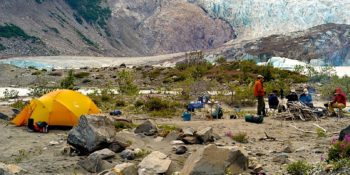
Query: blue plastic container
{"x": 186, "y": 116}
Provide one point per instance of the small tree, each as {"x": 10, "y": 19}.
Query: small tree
{"x": 68, "y": 82}
{"x": 126, "y": 84}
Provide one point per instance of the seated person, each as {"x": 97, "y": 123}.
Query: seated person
{"x": 305, "y": 98}
{"x": 292, "y": 96}
{"x": 339, "y": 101}
{"x": 273, "y": 100}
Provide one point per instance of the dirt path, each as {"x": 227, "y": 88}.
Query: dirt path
{"x": 33, "y": 152}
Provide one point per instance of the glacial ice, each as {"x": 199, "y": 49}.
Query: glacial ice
{"x": 257, "y": 18}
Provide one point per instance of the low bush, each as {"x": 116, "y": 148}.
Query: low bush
{"x": 240, "y": 137}
{"x": 19, "y": 104}
{"x": 120, "y": 125}
{"x": 321, "y": 133}
{"x": 299, "y": 168}
{"x": 2, "y": 47}
{"x": 81, "y": 75}
{"x": 339, "y": 149}
{"x": 39, "y": 91}
{"x": 10, "y": 94}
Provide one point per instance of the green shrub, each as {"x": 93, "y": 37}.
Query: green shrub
{"x": 164, "y": 130}
{"x": 81, "y": 74}
{"x": 321, "y": 133}
{"x": 126, "y": 84}
{"x": 39, "y": 91}
{"x": 299, "y": 168}
{"x": 2, "y": 47}
{"x": 120, "y": 102}
{"x": 37, "y": 72}
{"x": 39, "y": 1}
{"x": 120, "y": 125}
{"x": 19, "y": 104}
{"x": 11, "y": 30}
{"x": 54, "y": 30}
{"x": 339, "y": 149}
{"x": 10, "y": 94}
{"x": 139, "y": 103}
{"x": 68, "y": 82}
{"x": 91, "y": 11}
{"x": 56, "y": 74}
{"x": 143, "y": 153}
{"x": 240, "y": 137}
{"x": 86, "y": 39}
{"x": 341, "y": 164}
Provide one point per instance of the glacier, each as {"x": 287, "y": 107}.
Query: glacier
{"x": 259, "y": 18}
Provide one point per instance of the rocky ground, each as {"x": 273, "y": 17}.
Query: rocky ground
{"x": 49, "y": 153}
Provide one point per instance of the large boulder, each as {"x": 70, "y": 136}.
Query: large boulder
{"x": 344, "y": 132}
{"x": 103, "y": 154}
{"x": 154, "y": 163}
{"x": 10, "y": 169}
{"x": 94, "y": 132}
{"x": 147, "y": 128}
{"x": 94, "y": 162}
{"x": 121, "y": 169}
{"x": 205, "y": 134}
{"x": 215, "y": 161}
{"x": 125, "y": 169}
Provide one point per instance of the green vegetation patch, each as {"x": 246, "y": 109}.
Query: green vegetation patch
{"x": 86, "y": 40}
{"x": 2, "y": 47}
{"x": 91, "y": 11}
{"x": 299, "y": 168}
{"x": 11, "y": 30}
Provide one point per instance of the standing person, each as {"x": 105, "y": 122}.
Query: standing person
{"x": 306, "y": 98}
{"x": 339, "y": 101}
{"x": 259, "y": 93}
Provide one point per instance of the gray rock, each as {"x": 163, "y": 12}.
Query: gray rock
{"x": 10, "y": 169}
{"x": 177, "y": 142}
{"x": 94, "y": 164}
{"x": 3, "y": 116}
{"x": 191, "y": 140}
{"x": 188, "y": 131}
{"x": 125, "y": 169}
{"x": 116, "y": 147}
{"x": 173, "y": 135}
{"x": 158, "y": 139}
{"x": 103, "y": 154}
{"x": 154, "y": 163}
{"x": 281, "y": 158}
{"x": 128, "y": 154}
{"x": 287, "y": 149}
{"x": 181, "y": 150}
{"x": 92, "y": 133}
{"x": 214, "y": 161}
{"x": 216, "y": 136}
{"x": 205, "y": 134}
{"x": 147, "y": 128}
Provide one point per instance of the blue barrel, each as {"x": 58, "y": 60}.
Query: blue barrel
{"x": 186, "y": 116}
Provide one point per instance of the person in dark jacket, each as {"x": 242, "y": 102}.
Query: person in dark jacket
{"x": 305, "y": 98}
{"x": 339, "y": 101}
{"x": 273, "y": 100}
{"x": 292, "y": 96}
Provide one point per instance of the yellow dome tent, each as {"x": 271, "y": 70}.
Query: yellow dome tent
{"x": 57, "y": 108}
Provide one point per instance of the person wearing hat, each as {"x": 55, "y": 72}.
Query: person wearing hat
{"x": 305, "y": 98}
{"x": 259, "y": 93}
{"x": 292, "y": 96}
{"x": 339, "y": 101}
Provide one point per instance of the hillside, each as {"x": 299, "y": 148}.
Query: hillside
{"x": 111, "y": 28}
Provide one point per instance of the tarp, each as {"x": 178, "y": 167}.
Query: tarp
{"x": 57, "y": 108}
